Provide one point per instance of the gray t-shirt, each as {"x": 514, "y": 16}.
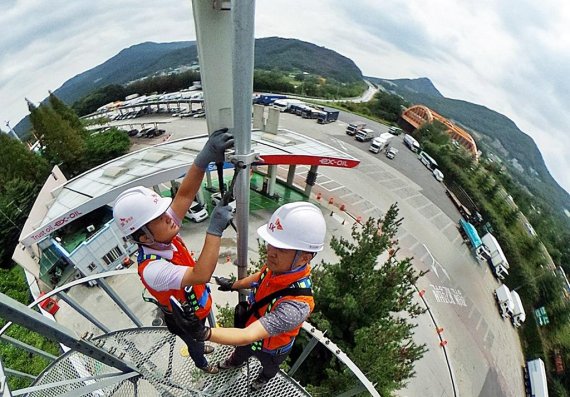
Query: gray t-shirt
{"x": 287, "y": 315}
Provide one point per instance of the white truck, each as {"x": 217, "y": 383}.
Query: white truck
{"x": 494, "y": 256}
{"x": 504, "y": 300}
{"x": 353, "y": 128}
{"x": 381, "y": 142}
{"x": 365, "y": 135}
{"x": 535, "y": 379}
{"x": 411, "y": 143}
{"x": 518, "y": 316}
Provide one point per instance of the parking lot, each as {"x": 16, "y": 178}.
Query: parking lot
{"x": 483, "y": 351}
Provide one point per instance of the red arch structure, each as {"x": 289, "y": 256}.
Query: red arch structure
{"x": 418, "y": 115}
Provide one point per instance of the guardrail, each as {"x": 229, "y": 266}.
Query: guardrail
{"x": 90, "y": 367}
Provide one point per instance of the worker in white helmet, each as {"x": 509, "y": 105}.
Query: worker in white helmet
{"x": 165, "y": 265}
{"x": 281, "y": 294}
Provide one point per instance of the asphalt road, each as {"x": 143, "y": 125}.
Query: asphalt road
{"x": 483, "y": 350}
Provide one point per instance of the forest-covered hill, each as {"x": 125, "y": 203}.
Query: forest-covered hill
{"x": 494, "y": 133}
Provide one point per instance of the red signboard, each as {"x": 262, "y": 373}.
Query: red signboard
{"x": 299, "y": 159}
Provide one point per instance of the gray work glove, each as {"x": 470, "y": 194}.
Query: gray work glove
{"x": 226, "y": 284}
{"x": 220, "y": 219}
{"x": 213, "y": 150}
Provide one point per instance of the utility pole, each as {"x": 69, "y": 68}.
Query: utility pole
{"x": 10, "y": 219}
{"x": 10, "y": 129}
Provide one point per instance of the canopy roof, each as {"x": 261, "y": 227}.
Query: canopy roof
{"x": 171, "y": 160}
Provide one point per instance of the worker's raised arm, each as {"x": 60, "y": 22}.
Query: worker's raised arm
{"x": 204, "y": 268}
{"x": 213, "y": 151}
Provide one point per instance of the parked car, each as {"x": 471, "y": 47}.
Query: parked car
{"x": 391, "y": 152}
{"x": 437, "y": 174}
{"x": 143, "y": 132}
{"x": 196, "y": 212}
{"x": 395, "y": 130}
{"x": 217, "y": 197}
{"x": 132, "y": 132}
{"x": 150, "y": 133}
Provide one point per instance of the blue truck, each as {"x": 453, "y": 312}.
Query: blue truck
{"x": 469, "y": 233}
{"x": 268, "y": 99}
{"x": 325, "y": 116}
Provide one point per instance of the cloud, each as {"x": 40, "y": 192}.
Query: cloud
{"x": 510, "y": 56}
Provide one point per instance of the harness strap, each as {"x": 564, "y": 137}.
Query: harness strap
{"x": 277, "y": 294}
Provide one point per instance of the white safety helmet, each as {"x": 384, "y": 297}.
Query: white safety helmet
{"x": 137, "y": 206}
{"x": 299, "y": 226}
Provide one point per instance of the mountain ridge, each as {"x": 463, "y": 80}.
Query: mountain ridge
{"x": 494, "y": 132}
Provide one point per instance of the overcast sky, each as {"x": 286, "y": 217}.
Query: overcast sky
{"x": 510, "y": 56}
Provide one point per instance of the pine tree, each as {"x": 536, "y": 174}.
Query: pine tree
{"x": 63, "y": 145}
{"x": 67, "y": 114}
{"x": 17, "y": 197}
{"x": 19, "y": 162}
{"x": 365, "y": 303}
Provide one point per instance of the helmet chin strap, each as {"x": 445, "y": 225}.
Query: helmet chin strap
{"x": 295, "y": 258}
{"x": 297, "y": 254}
{"x": 157, "y": 245}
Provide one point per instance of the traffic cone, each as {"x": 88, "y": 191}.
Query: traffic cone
{"x": 359, "y": 219}
{"x": 439, "y": 330}
{"x": 443, "y": 343}
{"x": 331, "y": 200}
{"x": 342, "y": 207}
{"x": 422, "y": 293}
{"x": 319, "y": 195}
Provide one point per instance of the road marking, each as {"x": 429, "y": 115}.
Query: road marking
{"x": 450, "y": 296}
{"x": 340, "y": 143}
{"x": 435, "y": 264}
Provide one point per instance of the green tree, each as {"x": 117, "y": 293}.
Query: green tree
{"x": 13, "y": 284}
{"x": 17, "y": 197}
{"x": 435, "y": 132}
{"x": 67, "y": 114}
{"x": 63, "y": 144}
{"x": 91, "y": 102}
{"x": 367, "y": 308}
{"x": 105, "y": 146}
{"x": 20, "y": 163}
{"x": 387, "y": 106}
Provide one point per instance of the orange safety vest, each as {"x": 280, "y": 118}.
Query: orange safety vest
{"x": 181, "y": 257}
{"x": 269, "y": 283}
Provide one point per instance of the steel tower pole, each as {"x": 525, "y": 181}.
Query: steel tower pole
{"x": 243, "y": 16}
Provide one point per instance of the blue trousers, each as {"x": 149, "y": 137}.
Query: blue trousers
{"x": 195, "y": 349}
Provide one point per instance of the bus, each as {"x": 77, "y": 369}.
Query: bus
{"x": 427, "y": 160}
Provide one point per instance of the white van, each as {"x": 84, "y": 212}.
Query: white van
{"x": 196, "y": 212}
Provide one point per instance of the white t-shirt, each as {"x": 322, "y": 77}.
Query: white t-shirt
{"x": 162, "y": 275}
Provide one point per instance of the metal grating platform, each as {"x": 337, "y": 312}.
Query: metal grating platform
{"x": 163, "y": 371}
